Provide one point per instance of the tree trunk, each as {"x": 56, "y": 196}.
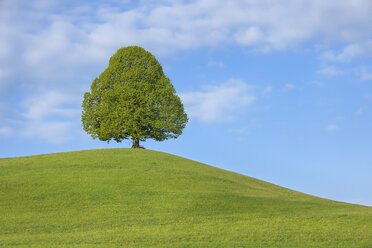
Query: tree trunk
{"x": 135, "y": 143}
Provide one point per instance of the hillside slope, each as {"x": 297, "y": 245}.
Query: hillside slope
{"x": 143, "y": 198}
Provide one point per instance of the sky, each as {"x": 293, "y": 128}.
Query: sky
{"x": 279, "y": 91}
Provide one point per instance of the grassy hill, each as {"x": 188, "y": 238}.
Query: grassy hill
{"x": 143, "y": 198}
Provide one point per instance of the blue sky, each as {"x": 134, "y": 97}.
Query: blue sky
{"x": 277, "y": 91}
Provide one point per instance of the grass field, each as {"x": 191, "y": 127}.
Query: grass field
{"x": 143, "y": 198}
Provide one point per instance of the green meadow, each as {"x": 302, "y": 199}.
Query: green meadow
{"x": 144, "y": 198}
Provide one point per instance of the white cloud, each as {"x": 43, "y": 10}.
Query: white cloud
{"x": 351, "y": 51}
{"x": 359, "y": 111}
{"x": 242, "y": 131}
{"x": 51, "y": 42}
{"x": 83, "y": 34}
{"x": 52, "y": 132}
{"x": 289, "y": 86}
{"x": 218, "y": 64}
{"x": 49, "y": 116}
{"x": 249, "y": 36}
{"x": 366, "y": 74}
{"x": 5, "y": 130}
{"x": 51, "y": 103}
{"x": 51, "y": 45}
{"x": 4, "y": 74}
{"x": 318, "y": 83}
{"x": 332, "y": 127}
{"x": 330, "y": 71}
{"x": 218, "y": 103}
{"x": 368, "y": 96}
{"x": 268, "y": 89}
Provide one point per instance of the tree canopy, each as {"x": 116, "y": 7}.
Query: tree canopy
{"x": 134, "y": 99}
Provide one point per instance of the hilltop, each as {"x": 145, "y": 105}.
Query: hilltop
{"x": 144, "y": 198}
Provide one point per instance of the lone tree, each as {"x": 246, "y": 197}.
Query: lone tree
{"x": 133, "y": 99}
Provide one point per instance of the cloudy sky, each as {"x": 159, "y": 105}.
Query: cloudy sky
{"x": 277, "y": 91}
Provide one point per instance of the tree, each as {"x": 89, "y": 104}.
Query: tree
{"x": 133, "y": 99}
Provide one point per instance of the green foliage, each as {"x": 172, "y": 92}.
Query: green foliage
{"x": 102, "y": 198}
{"x": 133, "y": 98}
